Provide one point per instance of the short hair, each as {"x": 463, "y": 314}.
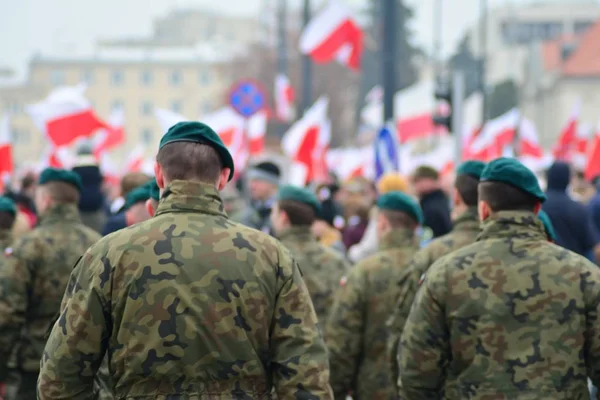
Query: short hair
{"x": 7, "y": 220}
{"x": 466, "y": 186}
{"x": 426, "y": 172}
{"x": 299, "y": 214}
{"x": 62, "y": 192}
{"x": 399, "y": 219}
{"x": 131, "y": 181}
{"x": 27, "y": 181}
{"x": 504, "y": 197}
{"x": 190, "y": 161}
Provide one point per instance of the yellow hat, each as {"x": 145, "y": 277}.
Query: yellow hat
{"x": 392, "y": 182}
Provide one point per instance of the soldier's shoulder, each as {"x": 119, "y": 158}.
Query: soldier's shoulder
{"x": 330, "y": 254}
{"x": 90, "y": 234}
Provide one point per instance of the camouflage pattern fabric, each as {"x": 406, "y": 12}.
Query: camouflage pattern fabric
{"x": 511, "y": 316}
{"x": 464, "y": 232}
{"x": 33, "y": 277}
{"x": 322, "y": 268}
{"x": 356, "y": 332}
{"x": 187, "y": 305}
{"x": 6, "y": 239}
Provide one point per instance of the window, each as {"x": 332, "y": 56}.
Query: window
{"x": 20, "y": 136}
{"x": 117, "y": 104}
{"x": 57, "y": 77}
{"x": 147, "y": 136}
{"x": 146, "y": 78}
{"x": 87, "y": 76}
{"x": 176, "y": 106}
{"x": 176, "y": 78}
{"x": 204, "y": 77}
{"x": 582, "y": 26}
{"x": 146, "y": 108}
{"x": 117, "y": 77}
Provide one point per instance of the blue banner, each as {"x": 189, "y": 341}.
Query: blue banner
{"x": 386, "y": 152}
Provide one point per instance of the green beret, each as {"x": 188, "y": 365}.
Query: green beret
{"x": 7, "y": 205}
{"x": 302, "y": 195}
{"x": 471, "y": 168}
{"x": 547, "y": 225}
{"x": 398, "y": 201}
{"x": 137, "y": 195}
{"x": 512, "y": 172}
{"x": 197, "y": 132}
{"x": 60, "y": 175}
{"x": 154, "y": 190}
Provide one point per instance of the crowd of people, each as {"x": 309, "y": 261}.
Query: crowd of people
{"x": 188, "y": 285}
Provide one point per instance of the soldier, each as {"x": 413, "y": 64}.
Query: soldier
{"x": 356, "y": 332}
{"x": 134, "y": 210}
{"x": 188, "y": 304}
{"x": 511, "y": 316}
{"x": 34, "y": 275}
{"x": 322, "y": 268}
{"x": 8, "y": 214}
{"x": 464, "y": 232}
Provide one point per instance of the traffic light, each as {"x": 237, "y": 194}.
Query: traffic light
{"x": 443, "y": 113}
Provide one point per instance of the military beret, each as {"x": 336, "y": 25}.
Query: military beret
{"x": 302, "y": 195}
{"x": 398, "y": 201}
{"x": 471, "y": 168}
{"x": 60, "y": 175}
{"x": 197, "y": 132}
{"x": 512, "y": 172}
{"x": 137, "y": 195}
{"x": 547, "y": 225}
{"x": 7, "y": 205}
{"x": 154, "y": 190}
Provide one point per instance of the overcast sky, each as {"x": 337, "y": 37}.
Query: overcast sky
{"x": 27, "y": 26}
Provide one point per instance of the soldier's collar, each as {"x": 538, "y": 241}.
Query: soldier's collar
{"x": 467, "y": 220}
{"x": 191, "y": 196}
{"x": 400, "y": 237}
{"x": 60, "y": 213}
{"x": 514, "y": 225}
{"x": 303, "y": 232}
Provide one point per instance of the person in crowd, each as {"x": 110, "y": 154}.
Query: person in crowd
{"x": 292, "y": 217}
{"x": 464, "y": 232}
{"x": 8, "y": 214}
{"x": 356, "y": 214}
{"x": 34, "y": 274}
{"x": 594, "y": 205}
{"x": 330, "y": 220}
{"x": 507, "y": 315}
{"x": 263, "y": 183}
{"x": 130, "y": 181}
{"x": 434, "y": 202}
{"x": 26, "y": 213}
{"x": 356, "y": 331}
{"x": 571, "y": 220}
{"x": 234, "y": 204}
{"x": 188, "y": 304}
{"x": 91, "y": 203}
{"x": 368, "y": 245}
{"x": 134, "y": 210}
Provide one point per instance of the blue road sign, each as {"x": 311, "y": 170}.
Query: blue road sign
{"x": 247, "y": 98}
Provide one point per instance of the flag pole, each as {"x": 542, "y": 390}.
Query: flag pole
{"x": 306, "y": 64}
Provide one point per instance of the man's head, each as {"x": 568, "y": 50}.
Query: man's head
{"x": 465, "y": 186}
{"x": 131, "y": 181}
{"x": 192, "y": 151}
{"x": 57, "y": 186}
{"x": 392, "y": 182}
{"x": 507, "y": 185}
{"x": 425, "y": 180}
{"x": 263, "y": 180}
{"x": 135, "y": 205}
{"x": 397, "y": 210}
{"x": 8, "y": 213}
{"x": 295, "y": 207}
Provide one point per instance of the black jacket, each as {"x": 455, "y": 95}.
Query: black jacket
{"x": 436, "y": 210}
{"x": 92, "y": 197}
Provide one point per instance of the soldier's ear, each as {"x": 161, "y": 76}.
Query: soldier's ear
{"x": 150, "y": 208}
{"x": 223, "y": 178}
{"x": 484, "y": 210}
{"x": 160, "y": 180}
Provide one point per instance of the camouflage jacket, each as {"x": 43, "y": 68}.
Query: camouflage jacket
{"x": 356, "y": 331}
{"x": 511, "y": 316}
{"x": 187, "y": 305}
{"x": 322, "y": 268}
{"x": 464, "y": 232}
{"x": 6, "y": 239}
{"x": 33, "y": 278}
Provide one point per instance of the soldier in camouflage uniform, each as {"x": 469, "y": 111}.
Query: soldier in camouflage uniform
{"x": 511, "y": 316}
{"x": 322, "y": 268}
{"x": 8, "y": 215}
{"x": 356, "y": 332}
{"x": 464, "y": 232}
{"x": 188, "y": 304}
{"x": 34, "y": 275}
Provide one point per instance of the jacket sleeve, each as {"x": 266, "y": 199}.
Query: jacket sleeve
{"x": 590, "y": 282}
{"x": 299, "y": 355}
{"x": 78, "y": 339}
{"x": 425, "y": 349}
{"x": 344, "y": 333}
{"x": 16, "y": 280}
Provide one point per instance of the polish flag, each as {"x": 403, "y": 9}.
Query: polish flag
{"x": 348, "y": 163}
{"x": 567, "y": 139}
{"x": 257, "y": 129}
{"x": 56, "y": 157}
{"x": 65, "y": 115}
{"x": 307, "y": 140}
{"x": 110, "y": 138}
{"x": 592, "y": 168}
{"x": 135, "y": 159}
{"x": 529, "y": 145}
{"x": 284, "y": 98}
{"x": 6, "y": 159}
{"x": 229, "y": 125}
{"x": 579, "y": 151}
{"x": 167, "y": 118}
{"x": 495, "y": 136}
{"x": 110, "y": 172}
{"x": 333, "y": 34}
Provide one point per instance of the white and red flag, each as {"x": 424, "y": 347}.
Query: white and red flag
{"x": 167, "y": 118}
{"x": 568, "y": 136}
{"x": 135, "y": 159}
{"x": 112, "y": 137}
{"x": 333, "y": 34}
{"x": 592, "y": 168}
{"x": 495, "y": 137}
{"x": 284, "y": 98}
{"x": 6, "y": 157}
{"x": 66, "y": 115}
{"x": 256, "y": 131}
